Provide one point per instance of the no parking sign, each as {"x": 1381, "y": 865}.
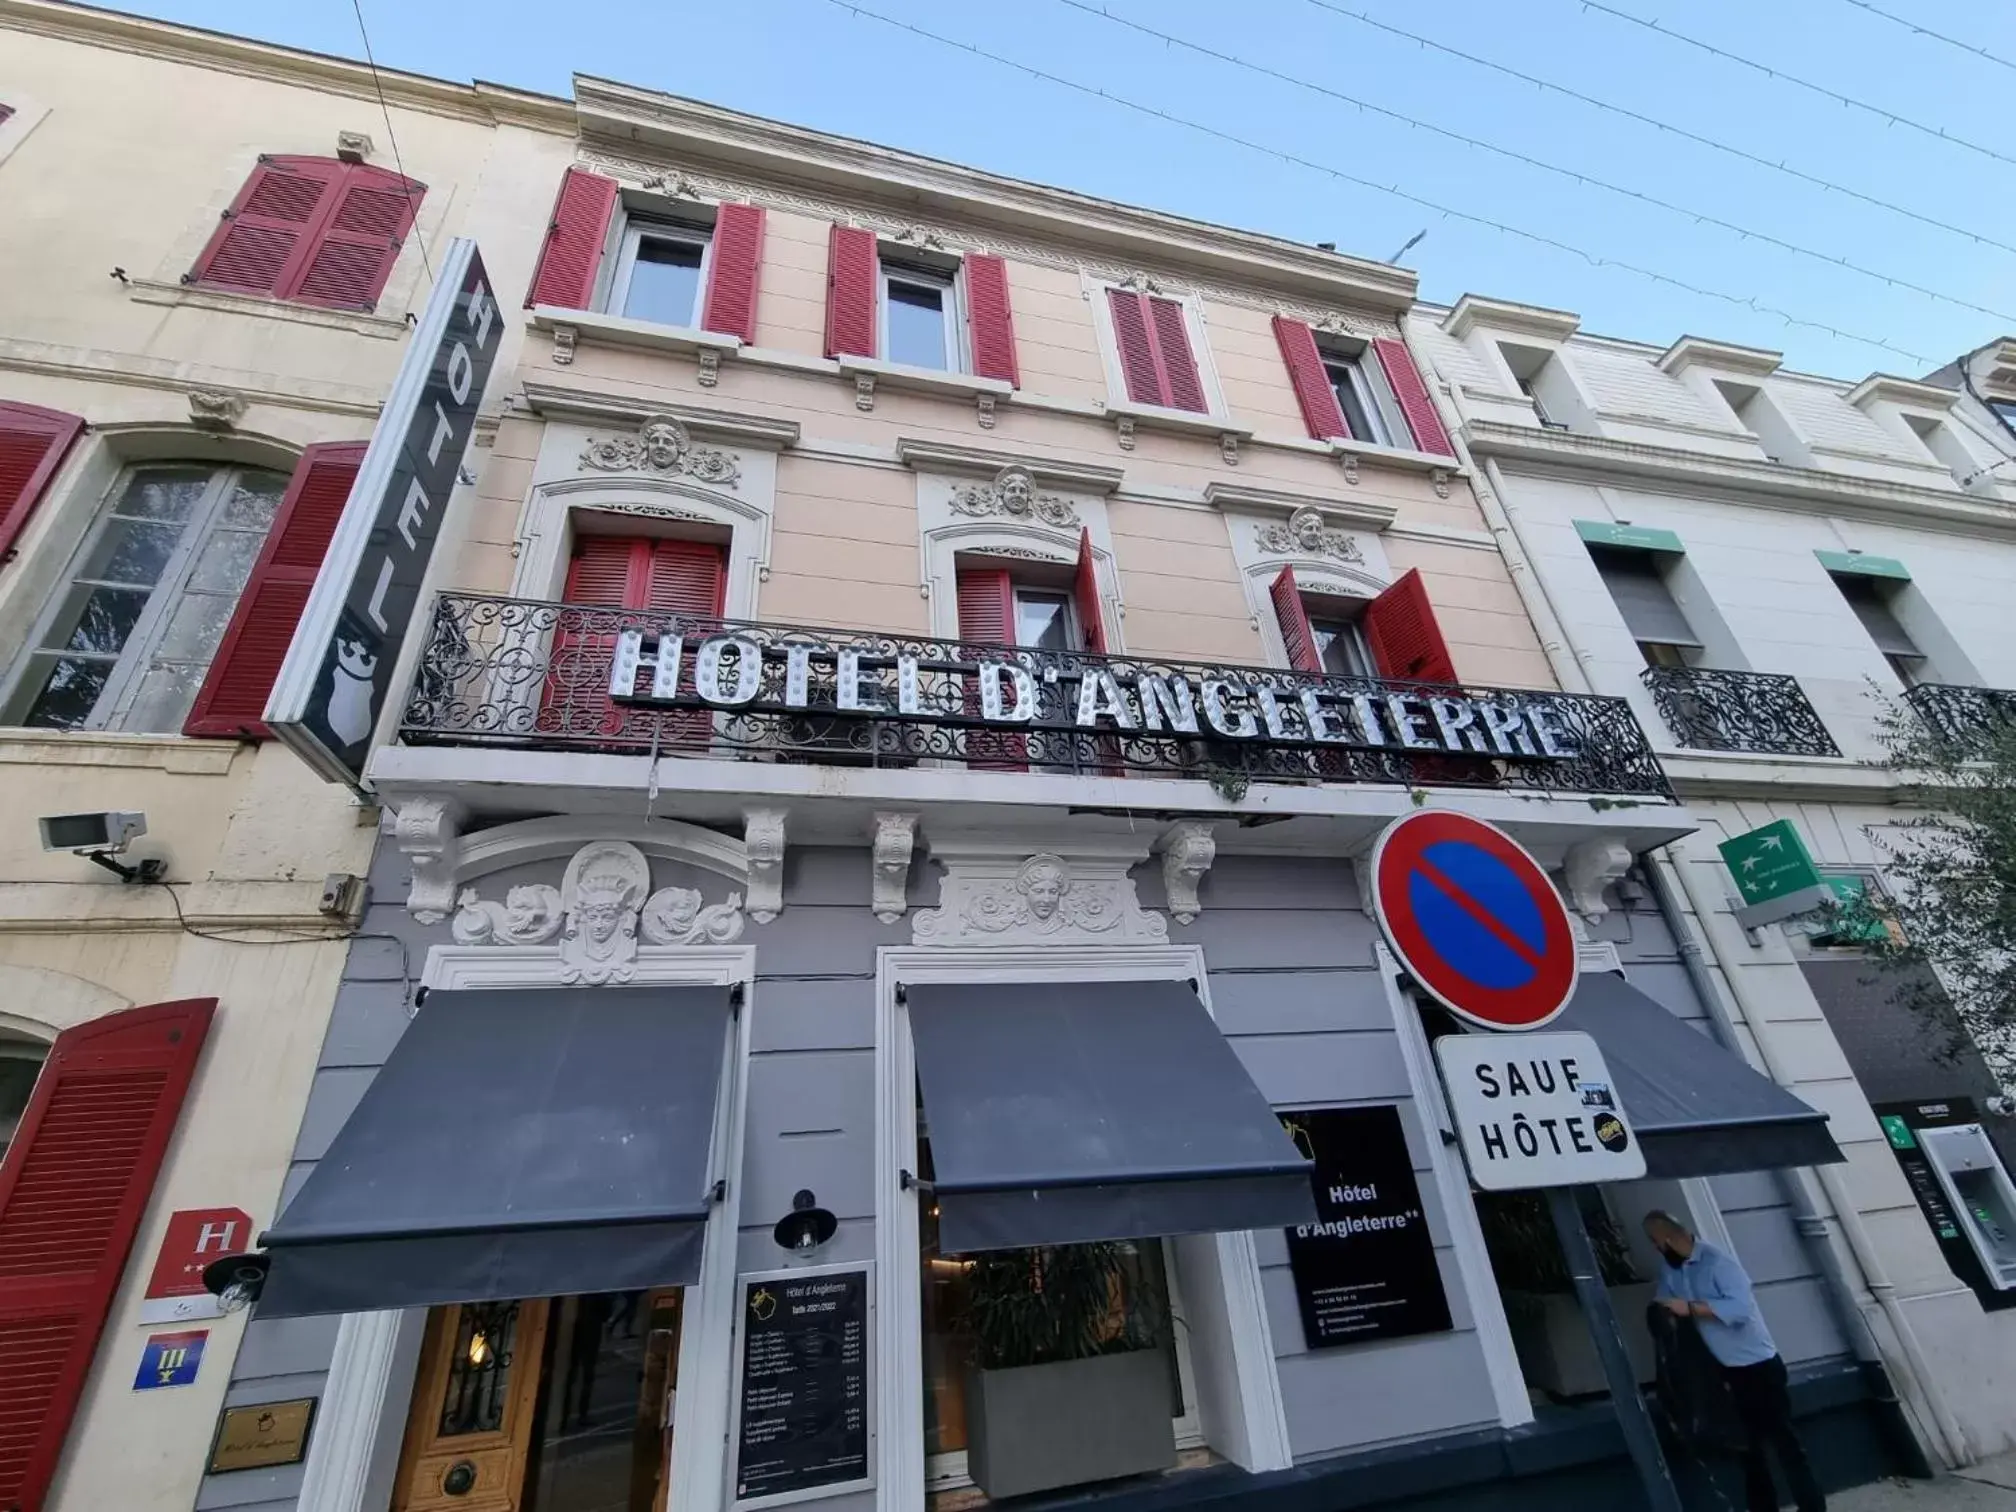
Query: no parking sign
{"x": 1474, "y": 919}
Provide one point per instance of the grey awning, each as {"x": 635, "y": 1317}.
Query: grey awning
{"x": 1065, "y": 1112}
{"x": 527, "y": 1143}
{"x": 1698, "y": 1109}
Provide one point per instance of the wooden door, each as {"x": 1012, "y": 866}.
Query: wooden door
{"x": 470, "y": 1426}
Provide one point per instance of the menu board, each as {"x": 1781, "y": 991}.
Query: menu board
{"x": 802, "y": 1397}
{"x": 1366, "y": 1268}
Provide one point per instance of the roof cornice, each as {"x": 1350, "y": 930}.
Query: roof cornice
{"x": 1473, "y": 310}
{"x": 1771, "y": 483}
{"x": 698, "y": 135}
{"x": 1718, "y": 356}
{"x": 489, "y": 104}
{"x": 1889, "y": 389}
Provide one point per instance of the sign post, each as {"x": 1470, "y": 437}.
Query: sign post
{"x": 333, "y": 686}
{"x": 1775, "y": 874}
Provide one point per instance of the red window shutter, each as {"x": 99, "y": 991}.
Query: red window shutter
{"x": 852, "y": 269}
{"x": 33, "y": 443}
{"x": 1293, "y": 617}
{"x": 572, "y": 254}
{"x": 1405, "y": 641}
{"x": 987, "y": 618}
{"x": 686, "y": 578}
{"x": 1136, "y": 346}
{"x": 73, "y": 1189}
{"x": 1404, "y": 378}
{"x": 1155, "y": 357}
{"x": 233, "y": 696}
{"x": 602, "y": 568}
{"x": 355, "y": 248}
{"x": 989, "y": 319}
{"x": 1085, "y": 596}
{"x": 626, "y": 572}
{"x": 732, "y": 272}
{"x": 1184, "y": 388}
{"x": 1320, "y": 409}
{"x": 267, "y": 234}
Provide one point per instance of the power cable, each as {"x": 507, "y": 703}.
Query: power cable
{"x": 1700, "y": 217}
{"x": 1594, "y": 260}
{"x": 393, "y": 137}
{"x": 1729, "y": 148}
{"x": 1890, "y": 117}
{"x": 1925, "y": 31}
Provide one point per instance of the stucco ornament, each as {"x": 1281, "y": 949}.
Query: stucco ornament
{"x": 678, "y": 916}
{"x": 600, "y": 896}
{"x": 662, "y": 445}
{"x": 529, "y": 915}
{"x": 1013, "y": 496}
{"x": 1187, "y": 854}
{"x": 1042, "y": 898}
{"x": 1303, "y": 533}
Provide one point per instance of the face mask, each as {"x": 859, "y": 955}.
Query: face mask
{"x": 1673, "y": 1256}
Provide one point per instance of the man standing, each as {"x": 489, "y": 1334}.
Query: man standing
{"x": 1702, "y": 1282}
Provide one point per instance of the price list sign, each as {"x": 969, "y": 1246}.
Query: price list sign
{"x": 802, "y": 1401}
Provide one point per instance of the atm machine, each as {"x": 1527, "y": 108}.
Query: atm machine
{"x": 1982, "y": 1195}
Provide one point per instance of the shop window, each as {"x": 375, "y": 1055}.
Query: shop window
{"x": 312, "y": 230}
{"x": 1873, "y": 600}
{"x": 129, "y": 637}
{"x": 1638, "y": 587}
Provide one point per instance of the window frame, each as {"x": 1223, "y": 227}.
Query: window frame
{"x": 630, "y": 230}
{"x": 115, "y": 700}
{"x": 1217, "y": 412}
{"x": 951, "y": 285}
{"x": 1681, "y": 653}
{"x": 1349, "y": 631}
{"x": 1020, "y": 588}
{"x": 1363, "y": 399}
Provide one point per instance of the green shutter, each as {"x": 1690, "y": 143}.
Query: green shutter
{"x": 1864, "y": 565}
{"x": 1637, "y": 537}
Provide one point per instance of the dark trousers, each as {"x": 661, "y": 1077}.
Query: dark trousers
{"x": 1765, "y": 1408}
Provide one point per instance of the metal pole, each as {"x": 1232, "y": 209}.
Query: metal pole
{"x": 1632, "y": 1416}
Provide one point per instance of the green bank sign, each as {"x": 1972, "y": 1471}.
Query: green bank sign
{"x": 1774, "y": 873}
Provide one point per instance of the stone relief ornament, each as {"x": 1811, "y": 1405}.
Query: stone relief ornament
{"x": 1012, "y": 495}
{"x": 1187, "y": 854}
{"x": 529, "y": 915}
{"x": 600, "y": 897}
{"x": 1043, "y": 898}
{"x": 1303, "y": 533}
{"x": 661, "y": 445}
{"x": 677, "y": 916}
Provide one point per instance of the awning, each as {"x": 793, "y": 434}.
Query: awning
{"x": 1066, "y": 1112}
{"x": 1698, "y": 1109}
{"x": 527, "y": 1143}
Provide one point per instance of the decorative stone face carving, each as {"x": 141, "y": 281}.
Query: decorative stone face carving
{"x": 598, "y": 914}
{"x": 1013, "y": 496}
{"x": 661, "y": 445}
{"x": 1303, "y": 533}
{"x": 1044, "y": 897}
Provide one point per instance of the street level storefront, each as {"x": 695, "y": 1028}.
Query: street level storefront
{"x": 704, "y": 1126}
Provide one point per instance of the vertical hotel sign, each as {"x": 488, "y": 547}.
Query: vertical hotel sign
{"x": 338, "y": 674}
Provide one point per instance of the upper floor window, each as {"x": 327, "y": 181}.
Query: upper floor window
{"x": 1394, "y": 635}
{"x": 2005, "y": 411}
{"x": 920, "y": 323}
{"x": 918, "y": 309}
{"x": 1158, "y": 365}
{"x": 1340, "y": 644}
{"x": 312, "y": 230}
{"x": 1637, "y": 583}
{"x": 660, "y": 272}
{"x": 1359, "y": 389}
{"x": 1873, "y": 600}
{"x": 1358, "y": 392}
{"x": 130, "y": 636}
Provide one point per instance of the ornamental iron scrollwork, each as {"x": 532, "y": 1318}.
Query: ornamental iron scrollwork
{"x": 536, "y": 675}
{"x": 1961, "y": 716}
{"x": 1711, "y": 709}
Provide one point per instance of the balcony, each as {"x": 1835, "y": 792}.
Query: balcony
{"x": 1959, "y": 715}
{"x": 1761, "y": 712}
{"x": 533, "y": 675}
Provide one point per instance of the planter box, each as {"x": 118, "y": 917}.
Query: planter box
{"x": 1552, "y": 1340}
{"x": 1038, "y": 1427}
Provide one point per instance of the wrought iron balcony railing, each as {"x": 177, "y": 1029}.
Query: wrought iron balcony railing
{"x": 1961, "y": 715}
{"x": 538, "y": 675}
{"x": 1714, "y": 710}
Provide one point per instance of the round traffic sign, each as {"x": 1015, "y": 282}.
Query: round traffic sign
{"x": 1474, "y": 919}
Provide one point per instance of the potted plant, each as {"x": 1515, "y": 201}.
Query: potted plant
{"x": 1070, "y": 1382}
{"x": 1549, "y": 1333}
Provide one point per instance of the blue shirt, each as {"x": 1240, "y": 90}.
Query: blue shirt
{"x": 1736, "y": 1335}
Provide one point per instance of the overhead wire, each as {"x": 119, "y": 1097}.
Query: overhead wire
{"x": 1925, "y": 31}
{"x": 392, "y": 137}
{"x": 1700, "y": 217}
{"x": 1626, "y": 113}
{"x": 1891, "y": 117}
{"x": 1596, "y": 260}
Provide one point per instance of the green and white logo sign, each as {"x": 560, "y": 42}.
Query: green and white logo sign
{"x": 1775, "y": 874}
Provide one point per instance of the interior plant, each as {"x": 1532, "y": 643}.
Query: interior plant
{"x": 1526, "y": 1254}
{"x": 1066, "y": 1302}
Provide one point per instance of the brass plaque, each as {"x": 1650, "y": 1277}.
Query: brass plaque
{"x": 262, "y": 1435}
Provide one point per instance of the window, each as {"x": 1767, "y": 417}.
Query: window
{"x": 20, "y": 1063}
{"x": 1043, "y": 619}
{"x": 1758, "y": 415}
{"x": 1948, "y": 449}
{"x": 127, "y": 642}
{"x": 2005, "y": 411}
{"x": 1393, "y": 635}
{"x": 1637, "y": 584}
{"x": 920, "y": 322}
{"x": 1340, "y": 645}
{"x": 1873, "y": 602}
{"x": 312, "y": 230}
{"x": 1157, "y": 364}
{"x": 1357, "y": 396}
{"x": 1535, "y": 371}
{"x": 659, "y": 273}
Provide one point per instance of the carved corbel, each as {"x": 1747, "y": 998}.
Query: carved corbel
{"x": 428, "y": 832}
{"x": 895, "y": 839}
{"x": 1187, "y": 853}
{"x": 985, "y": 404}
{"x": 1589, "y": 867}
{"x": 564, "y": 337}
{"x": 1126, "y": 425}
{"x": 864, "y": 391}
{"x": 710, "y": 367}
{"x": 1440, "y": 478}
{"x": 763, "y": 839}
{"x": 1228, "y": 448}
{"x": 215, "y": 409}
{"x": 1350, "y": 461}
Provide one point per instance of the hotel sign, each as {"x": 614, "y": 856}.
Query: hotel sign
{"x": 737, "y": 672}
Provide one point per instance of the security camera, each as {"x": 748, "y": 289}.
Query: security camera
{"x": 107, "y": 833}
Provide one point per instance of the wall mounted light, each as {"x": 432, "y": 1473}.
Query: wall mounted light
{"x": 806, "y": 1226}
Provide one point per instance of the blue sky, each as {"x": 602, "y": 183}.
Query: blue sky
{"x": 825, "y": 64}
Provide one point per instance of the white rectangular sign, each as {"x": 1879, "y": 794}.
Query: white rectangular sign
{"x": 1537, "y": 1110}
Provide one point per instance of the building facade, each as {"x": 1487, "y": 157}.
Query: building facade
{"x": 1763, "y": 562}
